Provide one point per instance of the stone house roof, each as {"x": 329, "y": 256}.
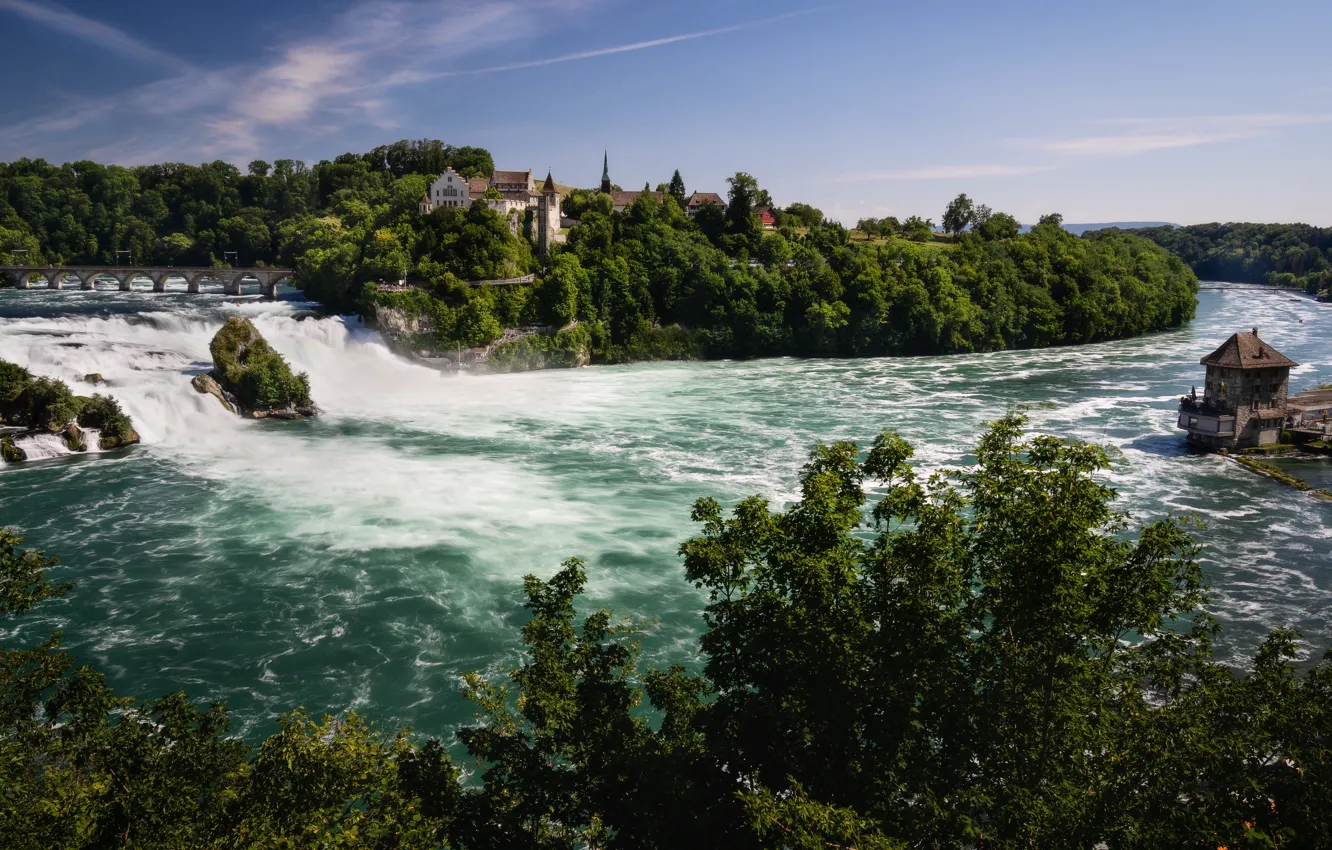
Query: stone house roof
{"x": 477, "y": 186}
{"x": 626, "y": 199}
{"x": 1247, "y": 351}
{"x": 698, "y": 199}
{"x": 548, "y": 187}
{"x": 522, "y": 178}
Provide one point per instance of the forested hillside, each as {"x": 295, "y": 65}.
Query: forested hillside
{"x": 647, "y": 282}
{"x": 354, "y": 218}
{"x": 1293, "y": 255}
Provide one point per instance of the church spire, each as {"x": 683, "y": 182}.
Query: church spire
{"x": 605, "y": 173}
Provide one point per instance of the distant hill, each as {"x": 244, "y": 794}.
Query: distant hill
{"x": 1079, "y": 229}
{"x": 1290, "y": 255}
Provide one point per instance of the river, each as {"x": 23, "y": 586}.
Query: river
{"x": 366, "y": 559}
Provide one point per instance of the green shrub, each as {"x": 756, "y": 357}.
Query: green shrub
{"x": 47, "y": 403}
{"x": 14, "y": 379}
{"x": 564, "y": 349}
{"x": 103, "y": 413}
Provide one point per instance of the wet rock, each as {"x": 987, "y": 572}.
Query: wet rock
{"x": 94, "y": 378}
{"x": 206, "y": 385}
{"x": 114, "y": 441}
{"x": 10, "y": 453}
{"x": 74, "y": 438}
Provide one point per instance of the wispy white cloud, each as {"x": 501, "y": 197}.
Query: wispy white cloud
{"x": 1137, "y": 136}
{"x": 92, "y": 31}
{"x": 411, "y": 77}
{"x": 343, "y": 76}
{"x": 1144, "y": 135}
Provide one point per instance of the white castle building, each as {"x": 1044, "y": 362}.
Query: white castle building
{"x": 517, "y": 192}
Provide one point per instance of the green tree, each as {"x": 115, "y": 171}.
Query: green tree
{"x": 562, "y": 289}
{"x": 917, "y": 229}
{"x": 959, "y": 214}
{"x": 998, "y": 226}
{"x": 741, "y": 224}
{"x": 676, "y": 189}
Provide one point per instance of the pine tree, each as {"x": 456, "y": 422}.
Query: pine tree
{"x": 677, "y": 187}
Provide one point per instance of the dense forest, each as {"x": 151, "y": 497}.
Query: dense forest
{"x": 650, "y": 281}
{"x": 1291, "y": 255}
{"x": 989, "y": 659}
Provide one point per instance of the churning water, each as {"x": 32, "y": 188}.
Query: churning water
{"x": 366, "y": 559}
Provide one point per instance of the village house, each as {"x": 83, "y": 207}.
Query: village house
{"x": 625, "y": 200}
{"x": 1245, "y": 397}
{"x": 699, "y": 199}
{"x": 766, "y": 218}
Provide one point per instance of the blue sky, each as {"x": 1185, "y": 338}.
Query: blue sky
{"x": 1173, "y": 110}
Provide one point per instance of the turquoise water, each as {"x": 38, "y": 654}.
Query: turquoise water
{"x": 366, "y": 559}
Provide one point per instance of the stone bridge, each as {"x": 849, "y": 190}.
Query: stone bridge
{"x": 87, "y": 276}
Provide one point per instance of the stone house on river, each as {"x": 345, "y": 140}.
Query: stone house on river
{"x": 1245, "y": 399}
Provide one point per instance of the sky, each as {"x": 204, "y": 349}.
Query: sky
{"x": 1172, "y": 110}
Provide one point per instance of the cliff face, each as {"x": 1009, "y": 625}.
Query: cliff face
{"x": 414, "y": 336}
{"x": 252, "y": 379}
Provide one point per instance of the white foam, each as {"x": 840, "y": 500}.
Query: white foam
{"x": 42, "y": 446}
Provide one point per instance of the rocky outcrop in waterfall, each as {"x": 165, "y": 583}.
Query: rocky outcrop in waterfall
{"x": 206, "y": 385}
{"x": 414, "y": 332}
{"x": 252, "y": 379}
{"x": 32, "y": 406}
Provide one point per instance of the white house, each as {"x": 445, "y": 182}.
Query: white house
{"x": 450, "y": 189}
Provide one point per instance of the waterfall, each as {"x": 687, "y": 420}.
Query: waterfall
{"x": 42, "y": 446}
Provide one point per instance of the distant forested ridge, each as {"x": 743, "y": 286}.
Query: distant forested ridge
{"x": 1292, "y": 255}
{"x": 647, "y": 282}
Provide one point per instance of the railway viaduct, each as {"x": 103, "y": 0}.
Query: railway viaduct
{"x": 87, "y": 276}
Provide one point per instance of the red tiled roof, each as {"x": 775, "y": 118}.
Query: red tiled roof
{"x": 1247, "y": 351}
{"x": 549, "y": 186}
{"x": 477, "y": 186}
{"x": 698, "y": 199}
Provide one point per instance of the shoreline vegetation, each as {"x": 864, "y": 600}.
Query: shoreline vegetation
{"x": 1292, "y": 256}
{"x": 647, "y": 283}
{"x": 36, "y": 405}
{"x": 993, "y": 657}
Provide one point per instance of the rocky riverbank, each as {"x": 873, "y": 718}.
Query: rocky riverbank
{"x": 414, "y": 335}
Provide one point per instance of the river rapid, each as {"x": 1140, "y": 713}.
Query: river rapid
{"x": 368, "y": 558}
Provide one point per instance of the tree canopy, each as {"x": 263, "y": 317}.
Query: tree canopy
{"x": 652, "y": 281}
{"x": 1294, "y": 255}
{"x": 989, "y": 657}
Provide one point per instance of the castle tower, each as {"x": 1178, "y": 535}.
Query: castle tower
{"x": 605, "y": 174}
{"x": 548, "y": 216}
